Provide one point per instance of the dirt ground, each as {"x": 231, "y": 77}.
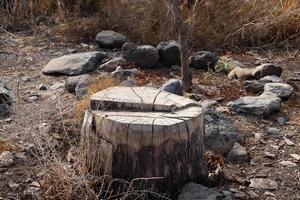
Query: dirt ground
{"x": 25, "y": 55}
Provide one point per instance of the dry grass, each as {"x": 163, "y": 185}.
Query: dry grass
{"x": 96, "y": 86}
{"x": 212, "y": 22}
{"x": 7, "y": 146}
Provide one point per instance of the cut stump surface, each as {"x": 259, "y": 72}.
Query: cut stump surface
{"x": 152, "y": 134}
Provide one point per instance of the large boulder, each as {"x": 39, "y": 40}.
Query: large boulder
{"x": 74, "y": 64}
{"x": 193, "y": 191}
{"x": 204, "y": 60}
{"x": 220, "y": 132}
{"x": 266, "y": 70}
{"x": 173, "y": 86}
{"x": 169, "y": 53}
{"x": 110, "y": 39}
{"x": 145, "y": 56}
{"x": 282, "y": 90}
{"x": 264, "y": 105}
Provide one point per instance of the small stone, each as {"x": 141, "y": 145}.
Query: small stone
{"x": 295, "y": 156}
{"x": 269, "y": 194}
{"x": 288, "y": 141}
{"x": 72, "y": 82}
{"x": 33, "y": 98}
{"x": 258, "y": 136}
{"x": 14, "y": 186}
{"x": 42, "y": 87}
{"x": 270, "y": 155}
{"x": 281, "y": 120}
{"x": 238, "y": 153}
{"x": 273, "y": 131}
{"x": 112, "y": 64}
{"x": 123, "y": 74}
{"x": 173, "y": 86}
{"x": 6, "y": 159}
{"x": 233, "y": 190}
{"x": 253, "y": 195}
{"x": 240, "y": 195}
{"x": 262, "y": 183}
{"x": 208, "y": 103}
{"x": 253, "y": 86}
{"x": 26, "y": 78}
{"x": 81, "y": 89}
{"x": 57, "y": 85}
{"x": 288, "y": 163}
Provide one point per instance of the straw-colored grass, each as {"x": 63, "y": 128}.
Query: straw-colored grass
{"x": 212, "y": 22}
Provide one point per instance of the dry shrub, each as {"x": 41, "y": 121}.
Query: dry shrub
{"x": 97, "y": 85}
{"x": 212, "y": 22}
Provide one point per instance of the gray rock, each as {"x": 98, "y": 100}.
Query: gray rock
{"x": 253, "y": 86}
{"x": 74, "y": 64}
{"x": 6, "y": 159}
{"x": 220, "y": 132}
{"x": 33, "y": 98}
{"x": 238, "y": 153}
{"x": 266, "y": 70}
{"x": 4, "y": 109}
{"x": 203, "y": 60}
{"x": 173, "y": 86}
{"x": 72, "y": 82}
{"x": 144, "y": 56}
{"x": 281, "y": 120}
{"x": 264, "y": 105}
{"x": 6, "y": 95}
{"x": 273, "y": 131}
{"x": 282, "y": 90}
{"x": 272, "y": 79}
{"x": 261, "y": 183}
{"x": 58, "y": 85}
{"x": 123, "y": 74}
{"x": 193, "y": 191}
{"x": 81, "y": 89}
{"x": 110, "y": 39}
{"x": 169, "y": 53}
{"x": 112, "y": 64}
{"x": 270, "y": 155}
{"x": 288, "y": 163}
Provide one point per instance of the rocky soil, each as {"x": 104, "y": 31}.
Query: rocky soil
{"x": 252, "y": 127}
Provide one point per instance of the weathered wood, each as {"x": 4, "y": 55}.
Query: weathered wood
{"x": 152, "y": 133}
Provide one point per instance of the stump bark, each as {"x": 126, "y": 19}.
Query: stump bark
{"x": 145, "y": 132}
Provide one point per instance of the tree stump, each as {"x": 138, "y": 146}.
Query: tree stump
{"x": 145, "y": 132}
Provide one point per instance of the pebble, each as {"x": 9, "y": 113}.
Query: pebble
{"x": 281, "y": 120}
{"x": 288, "y": 163}
{"x": 295, "y": 156}
{"x": 42, "y": 87}
{"x": 6, "y": 159}
{"x": 33, "y": 98}
{"x": 14, "y": 186}
{"x": 262, "y": 183}
{"x": 273, "y": 131}
{"x": 269, "y": 194}
{"x": 270, "y": 155}
{"x": 288, "y": 141}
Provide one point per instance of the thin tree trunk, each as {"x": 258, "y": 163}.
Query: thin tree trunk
{"x": 184, "y": 50}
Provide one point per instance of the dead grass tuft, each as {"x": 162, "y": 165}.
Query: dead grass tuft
{"x": 97, "y": 85}
{"x": 7, "y": 146}
{"x": 213, "y": 22}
